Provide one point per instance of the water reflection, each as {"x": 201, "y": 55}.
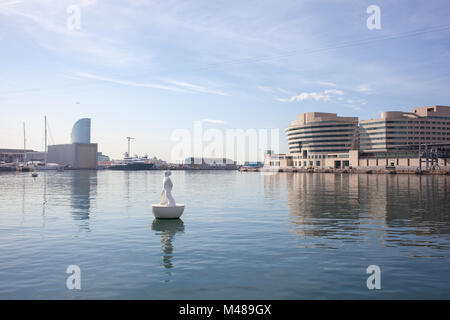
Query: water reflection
{"x": 84, "y": 187}
{"x": 355, "y": 207}
{"x": 167, "y": 230}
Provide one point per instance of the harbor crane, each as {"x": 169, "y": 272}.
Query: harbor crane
{"x": 129, "y": 139}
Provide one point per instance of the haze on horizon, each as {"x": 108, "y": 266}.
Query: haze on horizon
{"x": 146, "y": 68}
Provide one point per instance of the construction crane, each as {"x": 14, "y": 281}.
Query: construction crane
{"x": 129, "y": 139}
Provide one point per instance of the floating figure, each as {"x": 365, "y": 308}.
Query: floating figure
{"x": 167, "y": 198}
{"x": 167, "y": 209}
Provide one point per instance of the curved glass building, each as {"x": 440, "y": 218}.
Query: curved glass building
{"x": 314, "y": 136}
{"x": 81, "y": 131}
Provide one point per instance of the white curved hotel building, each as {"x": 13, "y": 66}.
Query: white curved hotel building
{"x": 316, "y": 136}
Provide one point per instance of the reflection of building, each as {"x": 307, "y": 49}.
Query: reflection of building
{"x": 327, "y": 207}
{"x": 337, "y": 209}
{"x": 80, "y": 154}
{"x": 84, "y": 184}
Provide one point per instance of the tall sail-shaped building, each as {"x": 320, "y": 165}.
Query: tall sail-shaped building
{"x": 81, "y": 131}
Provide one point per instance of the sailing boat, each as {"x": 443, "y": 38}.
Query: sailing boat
{"x": 47, "y": 166}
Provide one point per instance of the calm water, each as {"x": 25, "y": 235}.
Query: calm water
{"x": 242, "y": 235}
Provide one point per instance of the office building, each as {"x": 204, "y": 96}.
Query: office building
{"x": 395, "y": 129}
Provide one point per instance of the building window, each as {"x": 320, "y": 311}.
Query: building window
{"x": 317, "y": 163}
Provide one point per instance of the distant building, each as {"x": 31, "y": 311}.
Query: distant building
{"x": 203, "y": 163}
{"x": 396, "y": 129}
{"x": 75, "y": 155}
{"x": 253, "y": 164}
{"x": 404, "y": 140}
{"x": 81, "y": 131}
{"x": 275, "y": 160}
{"x": 101, "y": 157}
{"x": 157, "y": 162}
{"x": 13, "y": 155}
{"x": 35, "y": 156}
{"x": 81, "y": 153}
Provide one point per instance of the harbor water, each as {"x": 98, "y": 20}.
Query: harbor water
{"x": 243, "y": 235}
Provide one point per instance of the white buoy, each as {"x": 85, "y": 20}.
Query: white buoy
{"x": 165, "y": 212}
{"x": 167, "y": 209}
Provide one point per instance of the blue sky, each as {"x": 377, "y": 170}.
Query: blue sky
{"x": 146, "y": 68}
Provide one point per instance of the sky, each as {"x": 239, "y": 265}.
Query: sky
{"x": 148, "y": 68}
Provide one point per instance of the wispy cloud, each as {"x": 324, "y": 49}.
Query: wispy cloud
{"x": 273, "y": 90}
{"x": 177, "y": 86}
{"x": 326, "y": 96}
{"x": 355, "y": 103}
{"x": 45, "y": 22}
{"x": 365, "y": 88}
{"x": 10, "y": 3}
{"x": 213, "y": 121}
{"x": 327, "y": 84}
{"x": 194, "y": 87}
{"x": 128, "y": 83}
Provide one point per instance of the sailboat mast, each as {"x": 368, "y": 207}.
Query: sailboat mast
{"x": 24, "y": 144}
{"x": 45, "y": 150}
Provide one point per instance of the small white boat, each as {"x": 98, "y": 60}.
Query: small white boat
{"x": 49, "y": 166}
{"x": 166, "y": 212}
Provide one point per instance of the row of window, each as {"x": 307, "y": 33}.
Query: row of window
{"x": 405, "y": 122}
{"x": 325, "y": 126}
{"x": 297, "y": 150}
{"x": 298, "y": 142}
{"x": 324, "y": 145}
{"x": 408, "y": 127}
{"x": 405, "y": 138}
{"x": 299, "y": 163}
{"x": 323, "y": 136}
{"x": 395, "y": 143}
{"x": 320, "y": 131}
{"x": 405, "y": 132}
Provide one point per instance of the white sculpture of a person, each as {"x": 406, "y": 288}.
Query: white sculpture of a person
{"x": 167, "y": 198}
